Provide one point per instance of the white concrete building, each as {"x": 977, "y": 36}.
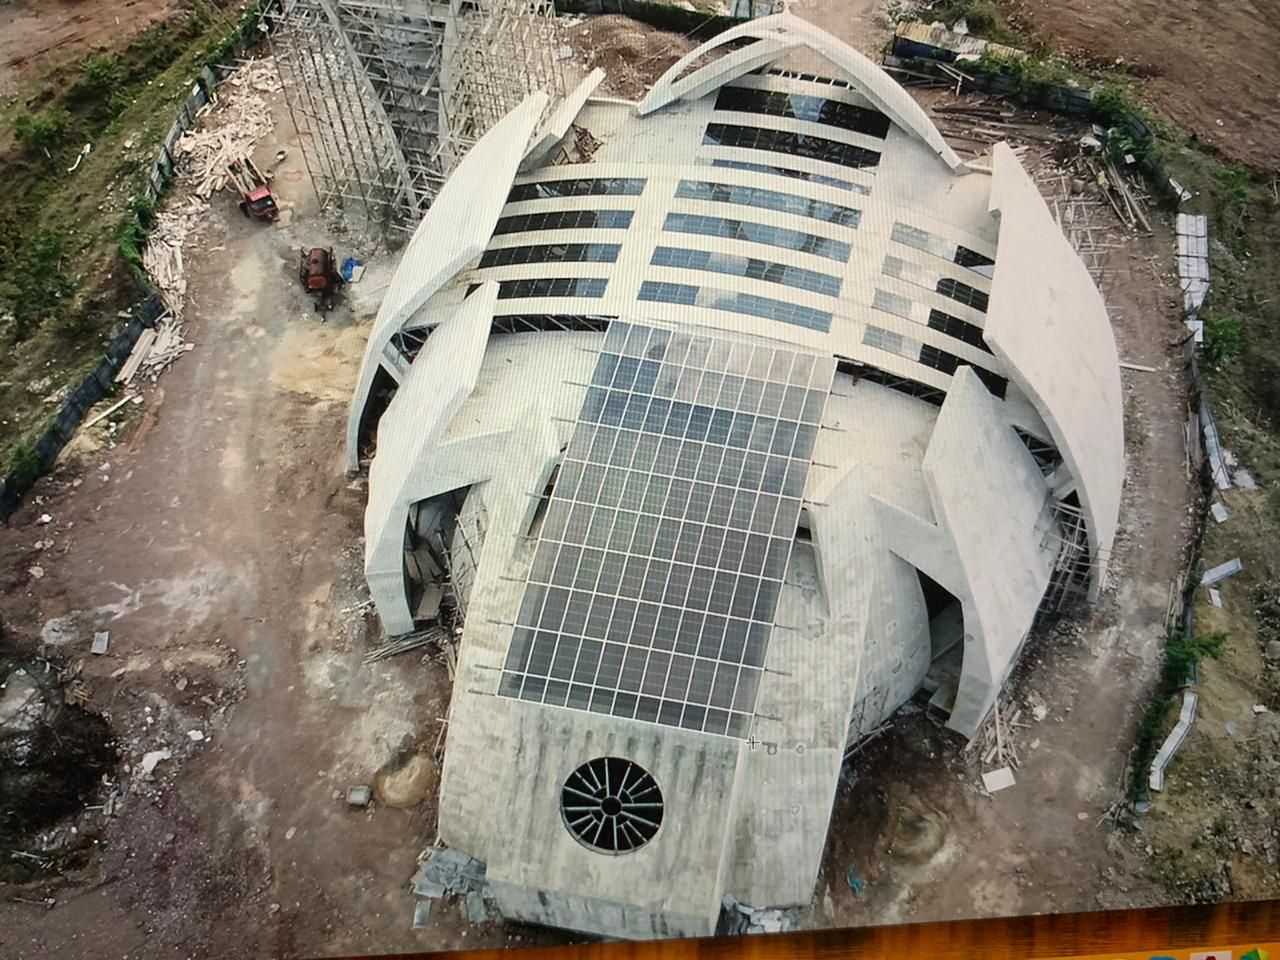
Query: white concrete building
{"x": 735, "y": 417}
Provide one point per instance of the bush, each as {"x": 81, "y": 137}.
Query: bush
{"x": 41, "y": 288}
{"x": 1221, "y": 338}
{"x": 133, "y": 237}
{"x": 25, "y": 468}
{"x": 1182, "y": 652}
{"x": 40, "y": 133}
{"x": 1112, "y": 105}
{"x": 144, "y": 208}
{"x": 102, "y": 72}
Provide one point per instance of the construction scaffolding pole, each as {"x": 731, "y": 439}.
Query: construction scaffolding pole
{"x": 388, "y": 95}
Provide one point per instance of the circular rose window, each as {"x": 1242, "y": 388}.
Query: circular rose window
{"x": 611, "y": 805}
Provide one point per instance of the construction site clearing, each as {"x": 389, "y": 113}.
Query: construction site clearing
{"x": 195, "y": 572}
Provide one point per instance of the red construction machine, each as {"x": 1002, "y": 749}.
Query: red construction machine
{"x": 256, "y": 200}
{"x": 318, "y": 271}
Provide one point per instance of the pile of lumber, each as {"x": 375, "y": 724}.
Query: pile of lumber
{"x": 230, "y": 128}
{"x": 983, "y": 124}
{"x": 409, "y": 641}
{"x": 155, "y": 350}
{"x": 162, "y": 258}
{"x": 996, "y": 743}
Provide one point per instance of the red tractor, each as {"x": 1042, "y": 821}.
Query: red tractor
{"x": 318, "y": 271}
{"x": 256, "y": 200}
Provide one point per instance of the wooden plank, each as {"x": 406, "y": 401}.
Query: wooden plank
{"x": 136, "y": 356}
{"x": 112, "y": 409}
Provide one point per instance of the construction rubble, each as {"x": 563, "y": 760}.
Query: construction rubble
{"x": 443, "y": 872}
{"x": 739, "y": 918}
{"x": 233, "y": 124}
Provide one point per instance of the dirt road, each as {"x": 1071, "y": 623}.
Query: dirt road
{"x": 41, "y": 32}
{"x": 1209, "y": 65}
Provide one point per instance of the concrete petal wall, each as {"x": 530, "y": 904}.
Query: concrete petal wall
{"x": 1048, "y": 323}
{"x": 436, "y": 386}
{"x": 452, "y": 234}
{"x": 991, "y": 499}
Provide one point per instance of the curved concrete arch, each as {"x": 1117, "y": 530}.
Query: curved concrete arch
{"x": 1048, "y": 325}
{"x": 417, "y": 418}
{"x": 561, "y": 120}
{"x": 785, "y": 31}
{"x": 714, "y": 75}
{"x": 454, "y": 232}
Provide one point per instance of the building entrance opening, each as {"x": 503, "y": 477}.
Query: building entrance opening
{"x": 946, "y": 641}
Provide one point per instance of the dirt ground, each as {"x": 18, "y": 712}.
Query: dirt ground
{"x": 39, "y": 32}
{"x": 913, "y": 821}
{"x": 1208, "y": 66}
{"x": 218, "y": 540}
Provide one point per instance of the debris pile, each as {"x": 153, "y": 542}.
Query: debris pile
{"x": 410, "y": 641}
{"x": 162, "y": 258}
{"x": 155, "y": 350}
{"x": 443, "y": 872}
{"x": 996, "y": 744}
{"x": 973, "y": 126}
{"x": 231, "y": 127}
{"x": 633, "y": 55}
{"x": 234, "y": 125}
{"x": 739, "y": 918}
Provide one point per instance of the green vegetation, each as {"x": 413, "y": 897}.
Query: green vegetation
{"x": 71, "y": 241}
{"x": 41, "y": 133}
{"x": 102, "y": 71}
{"x": 221, "y": 53}
{"x": 1221, "y": 338}
{"x": 39, "y": 287}
{"x": 25, "y": 467}
{"x": 1182, "y": 653}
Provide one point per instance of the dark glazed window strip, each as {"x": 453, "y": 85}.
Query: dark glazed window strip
{"x": 552, "y": 287}
{"x": 833, "y": 113}
{"x": 552, "y": 253}
{"x": 749, "y": 267}
{"x": 768, "y": 200}
{"x": 758, "y": 233}
{"x": 611, "y": 186}
{"x": 564, "y": 220}
{"x": 795, "y": 144}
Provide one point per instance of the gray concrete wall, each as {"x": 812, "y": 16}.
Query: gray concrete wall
{"x": 1049, "y": 324}
{"x": 991, "y": 498}
{"x": 675, "y": 875}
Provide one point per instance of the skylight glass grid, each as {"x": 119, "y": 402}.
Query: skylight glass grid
{"x": 662, "y": 553}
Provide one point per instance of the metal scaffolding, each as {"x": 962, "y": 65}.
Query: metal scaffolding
{"x": 388, "y": 95}
{"x": 1066, "y": 533}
